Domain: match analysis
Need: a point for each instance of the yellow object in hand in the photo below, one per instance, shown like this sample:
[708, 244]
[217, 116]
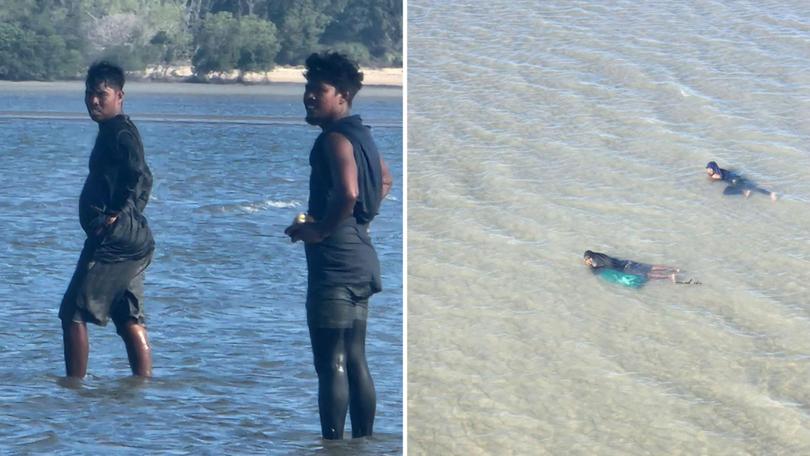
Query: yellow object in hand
[303, 218]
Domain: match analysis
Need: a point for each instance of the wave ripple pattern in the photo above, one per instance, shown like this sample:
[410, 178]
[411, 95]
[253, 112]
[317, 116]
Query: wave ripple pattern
[538, 130]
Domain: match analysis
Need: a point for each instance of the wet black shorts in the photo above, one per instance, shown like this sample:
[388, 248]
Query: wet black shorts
[102, 291]
[637, 268]
[337, 306]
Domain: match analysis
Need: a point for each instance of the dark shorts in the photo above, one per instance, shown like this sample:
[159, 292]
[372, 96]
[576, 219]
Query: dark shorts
[101, 291]
[637, 268]
[337, 306]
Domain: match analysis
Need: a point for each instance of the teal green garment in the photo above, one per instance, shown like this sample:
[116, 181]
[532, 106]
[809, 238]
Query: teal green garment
[622, 278]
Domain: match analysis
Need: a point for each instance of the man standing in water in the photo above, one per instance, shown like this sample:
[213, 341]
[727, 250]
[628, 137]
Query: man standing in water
[108, 281]
[348, 181]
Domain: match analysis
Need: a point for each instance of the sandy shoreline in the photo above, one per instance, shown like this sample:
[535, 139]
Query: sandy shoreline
[383, 82]
[294, 75]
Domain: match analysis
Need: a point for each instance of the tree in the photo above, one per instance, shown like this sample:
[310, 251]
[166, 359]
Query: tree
[225, 43]
[168, 34]
[26, 54]
[301, 25]
[375, 23]
[46, 39]
[258, 46]
[216, 48]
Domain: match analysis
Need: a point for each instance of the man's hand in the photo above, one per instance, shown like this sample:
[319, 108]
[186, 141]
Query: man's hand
[307, 232]
[108, 222]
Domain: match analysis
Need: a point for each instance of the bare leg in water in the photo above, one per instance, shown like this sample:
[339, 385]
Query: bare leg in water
[77, 348]
[671, 273]
[139, 352]
[344, 381]
[659, 271]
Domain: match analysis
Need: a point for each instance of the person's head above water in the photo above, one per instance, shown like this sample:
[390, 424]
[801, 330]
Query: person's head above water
[713, 170]
[597, 260]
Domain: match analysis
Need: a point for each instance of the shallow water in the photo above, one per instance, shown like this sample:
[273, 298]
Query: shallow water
[540, 130]
[224, 295]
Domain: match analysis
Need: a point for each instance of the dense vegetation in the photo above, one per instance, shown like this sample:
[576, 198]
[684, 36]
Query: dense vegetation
[56, 39]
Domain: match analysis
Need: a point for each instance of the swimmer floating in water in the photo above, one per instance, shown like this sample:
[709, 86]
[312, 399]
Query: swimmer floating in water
[737, 185]
[630, 273]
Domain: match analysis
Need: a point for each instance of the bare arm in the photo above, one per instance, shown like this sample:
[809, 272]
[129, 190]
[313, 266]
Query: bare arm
[387, 178]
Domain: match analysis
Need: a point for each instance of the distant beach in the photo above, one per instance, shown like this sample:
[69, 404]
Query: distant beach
[371, 76]
[384, 82]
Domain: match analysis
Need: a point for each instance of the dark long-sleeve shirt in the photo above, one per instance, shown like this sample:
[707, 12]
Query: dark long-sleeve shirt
[119, 183]
[737, 184]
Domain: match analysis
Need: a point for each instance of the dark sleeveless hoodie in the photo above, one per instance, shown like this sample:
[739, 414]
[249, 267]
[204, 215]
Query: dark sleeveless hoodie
[346, 256]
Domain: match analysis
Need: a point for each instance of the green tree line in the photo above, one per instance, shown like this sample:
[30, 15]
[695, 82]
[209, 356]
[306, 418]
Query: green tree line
[56, 39]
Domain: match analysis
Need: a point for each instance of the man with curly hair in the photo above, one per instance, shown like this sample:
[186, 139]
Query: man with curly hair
[348, 181]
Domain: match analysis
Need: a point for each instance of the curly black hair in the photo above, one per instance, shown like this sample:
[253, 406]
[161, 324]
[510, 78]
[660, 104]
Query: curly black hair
[106, 72]
[336, 69]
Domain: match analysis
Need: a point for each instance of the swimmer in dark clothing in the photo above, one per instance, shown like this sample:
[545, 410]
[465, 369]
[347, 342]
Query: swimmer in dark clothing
[599, 262]
[737, 185]
[107, 283]
[348, 181]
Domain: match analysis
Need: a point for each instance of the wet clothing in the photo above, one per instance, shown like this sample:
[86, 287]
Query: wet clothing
[615, 270]
[343, 272]
[737, 184]
[119, 182]
[344, 381]
[625, 266]
[631, 267]
[346, 257]
[741, 186]
[369, 172]
[622, 278]
[337, 307]
[726, 175]
[99, 291]
[600, 260]
[108, 280]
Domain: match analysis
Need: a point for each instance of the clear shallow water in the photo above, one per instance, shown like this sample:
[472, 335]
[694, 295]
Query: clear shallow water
[225, 293]
[540, 130]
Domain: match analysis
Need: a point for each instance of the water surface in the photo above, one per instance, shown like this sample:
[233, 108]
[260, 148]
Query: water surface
[224, 295]
[538, 130]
